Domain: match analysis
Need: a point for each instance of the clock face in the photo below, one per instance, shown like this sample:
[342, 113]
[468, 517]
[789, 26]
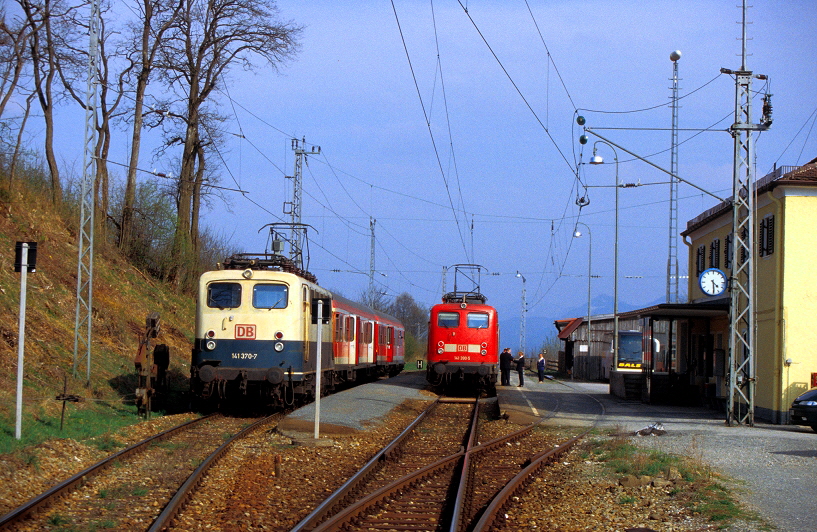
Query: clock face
[712, 282]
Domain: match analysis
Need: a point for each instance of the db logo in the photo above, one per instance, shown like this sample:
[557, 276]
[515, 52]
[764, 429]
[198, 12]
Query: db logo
[245, 332]
[462, 348]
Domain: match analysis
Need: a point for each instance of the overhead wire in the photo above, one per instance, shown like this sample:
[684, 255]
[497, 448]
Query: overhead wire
[430, 132]
[453, 157]
[516, 87]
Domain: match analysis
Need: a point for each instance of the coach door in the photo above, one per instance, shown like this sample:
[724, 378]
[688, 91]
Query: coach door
[306, 320]
[367, 349]
[351, 337]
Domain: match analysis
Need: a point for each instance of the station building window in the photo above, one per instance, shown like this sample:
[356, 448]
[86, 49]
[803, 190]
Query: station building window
[715, 253]
[700, 260]
[766, 236]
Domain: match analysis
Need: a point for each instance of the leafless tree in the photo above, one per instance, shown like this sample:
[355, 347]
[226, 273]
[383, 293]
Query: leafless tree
[45, 19]
[14, 37]
[156, 18]
[72, 67]
[204, 42]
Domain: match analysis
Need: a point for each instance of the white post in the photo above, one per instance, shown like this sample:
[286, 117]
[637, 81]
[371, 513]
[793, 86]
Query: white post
[18, 430]
[318, 371]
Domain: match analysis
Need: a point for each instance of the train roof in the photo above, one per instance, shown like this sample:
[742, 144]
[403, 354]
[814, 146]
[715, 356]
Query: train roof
[465, 297]
[265, 261]
[364, 308]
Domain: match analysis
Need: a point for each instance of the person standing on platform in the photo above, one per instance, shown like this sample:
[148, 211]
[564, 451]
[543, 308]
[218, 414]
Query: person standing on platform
[540, 367]
[505, 359]
[520, 368]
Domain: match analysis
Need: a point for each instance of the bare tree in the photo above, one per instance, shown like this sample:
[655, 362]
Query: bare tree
[205, 41]
[72, 67]
[157, 16]
[45, 19]
[14, 37]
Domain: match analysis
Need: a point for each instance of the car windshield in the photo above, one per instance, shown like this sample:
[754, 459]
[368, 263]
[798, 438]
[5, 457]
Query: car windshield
[224, 295]
[810, 395]
[477, 320]
[269, 296]
[448, 319]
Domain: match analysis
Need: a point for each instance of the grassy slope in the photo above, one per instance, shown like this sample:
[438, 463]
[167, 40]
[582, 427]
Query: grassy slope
[122, 298]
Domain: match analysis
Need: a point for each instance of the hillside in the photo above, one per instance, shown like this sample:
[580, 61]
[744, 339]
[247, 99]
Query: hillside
[122, 298]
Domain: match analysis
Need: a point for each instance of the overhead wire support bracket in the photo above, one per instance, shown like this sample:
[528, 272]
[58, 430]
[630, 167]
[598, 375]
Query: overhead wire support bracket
[693, 185]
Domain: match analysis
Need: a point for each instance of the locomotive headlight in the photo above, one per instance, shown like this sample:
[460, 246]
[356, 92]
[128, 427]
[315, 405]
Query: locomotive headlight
[483, 352]
[210, 334]
[246, 274]
[279, 346]
[210, 345]
[484, 345]
[279, 335]
[440, 343]
[440, 351]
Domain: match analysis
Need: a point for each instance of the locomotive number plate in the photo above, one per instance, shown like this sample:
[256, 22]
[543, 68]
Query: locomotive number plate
[462, 357]
[245, 332]
[245, 356]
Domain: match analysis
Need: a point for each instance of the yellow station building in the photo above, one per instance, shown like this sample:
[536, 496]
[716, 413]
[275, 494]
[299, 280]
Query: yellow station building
[785, 289]
[685, 346]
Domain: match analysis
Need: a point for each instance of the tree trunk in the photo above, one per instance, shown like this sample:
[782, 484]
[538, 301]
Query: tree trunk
[194, 219]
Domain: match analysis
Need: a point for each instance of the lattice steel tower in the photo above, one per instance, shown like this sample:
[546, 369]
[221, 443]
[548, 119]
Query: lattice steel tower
[85, 262]
[672, 257]
[741, 403]
[296, 244]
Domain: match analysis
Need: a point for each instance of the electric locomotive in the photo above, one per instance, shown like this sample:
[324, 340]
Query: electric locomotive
[258, 318]
[463, 337]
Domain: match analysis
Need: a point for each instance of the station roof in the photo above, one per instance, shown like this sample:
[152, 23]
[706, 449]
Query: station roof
[718, 307]
[805, 175]
[566, 327]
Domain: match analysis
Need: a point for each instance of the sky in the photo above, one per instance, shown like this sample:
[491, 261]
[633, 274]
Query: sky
[452, 124]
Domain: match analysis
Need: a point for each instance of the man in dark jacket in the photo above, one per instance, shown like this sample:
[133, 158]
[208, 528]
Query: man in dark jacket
[505, 359]
[520, 368]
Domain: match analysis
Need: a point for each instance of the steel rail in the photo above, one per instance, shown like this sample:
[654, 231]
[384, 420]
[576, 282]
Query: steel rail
[501, 501]
[350, 512]
[46, 498]
[466, 474]
[321, 512]
[187, 489]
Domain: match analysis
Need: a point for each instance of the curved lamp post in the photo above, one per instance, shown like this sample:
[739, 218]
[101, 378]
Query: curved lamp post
[578, 234]
[597, 159]
[524, 312]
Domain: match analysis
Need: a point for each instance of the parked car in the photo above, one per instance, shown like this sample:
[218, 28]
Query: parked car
[804, 409]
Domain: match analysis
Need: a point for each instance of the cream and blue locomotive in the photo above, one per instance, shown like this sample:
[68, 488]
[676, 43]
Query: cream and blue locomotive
[257, 325]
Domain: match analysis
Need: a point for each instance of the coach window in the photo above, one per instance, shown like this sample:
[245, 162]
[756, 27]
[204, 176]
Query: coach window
[350, 329]
[224, 295]
[269, 296]
[448, 319]
[477, 320]
[338, 327]
[367, 332]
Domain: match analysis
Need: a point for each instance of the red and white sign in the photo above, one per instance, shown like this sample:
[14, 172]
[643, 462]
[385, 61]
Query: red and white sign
[245, 332]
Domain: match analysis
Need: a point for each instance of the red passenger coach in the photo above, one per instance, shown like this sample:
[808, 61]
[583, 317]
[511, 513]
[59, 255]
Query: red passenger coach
[365, 343]
[463, 341]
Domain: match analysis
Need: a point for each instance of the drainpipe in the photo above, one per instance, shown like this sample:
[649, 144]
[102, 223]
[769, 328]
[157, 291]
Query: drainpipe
[689, 254]
[779, 319]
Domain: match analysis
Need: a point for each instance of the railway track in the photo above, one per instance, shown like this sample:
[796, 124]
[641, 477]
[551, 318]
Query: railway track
[450, 493]
[138, 486]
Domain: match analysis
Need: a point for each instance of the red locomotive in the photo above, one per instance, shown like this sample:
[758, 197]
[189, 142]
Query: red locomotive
[463, 336]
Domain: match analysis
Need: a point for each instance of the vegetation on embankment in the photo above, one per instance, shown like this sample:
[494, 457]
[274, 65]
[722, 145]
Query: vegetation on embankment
[122, 297]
